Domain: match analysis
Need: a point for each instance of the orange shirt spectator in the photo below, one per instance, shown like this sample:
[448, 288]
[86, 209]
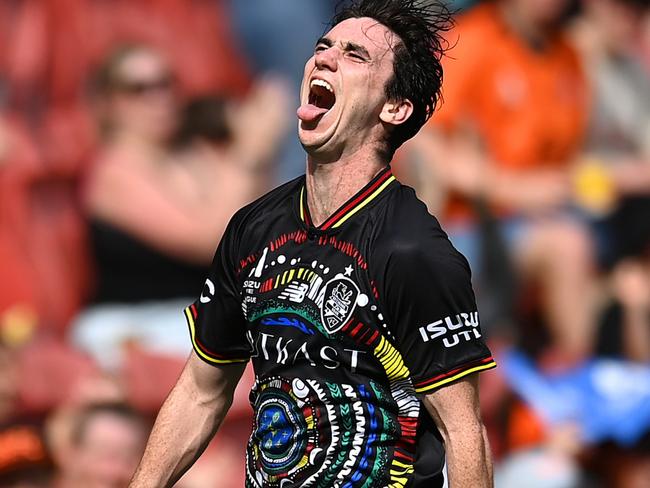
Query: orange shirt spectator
[511, 124]
[527, 106]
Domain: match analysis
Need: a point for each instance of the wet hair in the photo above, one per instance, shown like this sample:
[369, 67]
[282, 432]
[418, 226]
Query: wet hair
[88, 413]
[417, 68]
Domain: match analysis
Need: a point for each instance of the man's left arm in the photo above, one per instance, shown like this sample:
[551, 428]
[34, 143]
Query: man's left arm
[456, 412]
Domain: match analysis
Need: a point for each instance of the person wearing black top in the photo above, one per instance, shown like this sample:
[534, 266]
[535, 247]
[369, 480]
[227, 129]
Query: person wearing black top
[356, 311]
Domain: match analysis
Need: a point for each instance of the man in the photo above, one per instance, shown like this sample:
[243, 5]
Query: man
[356, 310]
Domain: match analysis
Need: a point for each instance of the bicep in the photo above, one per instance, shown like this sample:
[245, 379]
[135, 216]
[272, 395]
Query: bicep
[207, 382]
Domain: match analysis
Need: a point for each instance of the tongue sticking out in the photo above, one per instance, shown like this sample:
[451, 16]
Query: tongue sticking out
[310, 112]
[321, 100]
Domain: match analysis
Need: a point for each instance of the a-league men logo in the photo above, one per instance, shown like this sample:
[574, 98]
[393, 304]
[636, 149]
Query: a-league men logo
[339, 300]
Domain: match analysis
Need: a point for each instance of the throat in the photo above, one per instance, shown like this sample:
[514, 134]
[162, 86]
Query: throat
[330, 186]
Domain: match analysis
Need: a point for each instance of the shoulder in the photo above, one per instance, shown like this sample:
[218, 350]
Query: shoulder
[408, 235]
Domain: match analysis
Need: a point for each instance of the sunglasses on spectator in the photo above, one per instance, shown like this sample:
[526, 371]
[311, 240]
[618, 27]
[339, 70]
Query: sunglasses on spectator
[141, 87]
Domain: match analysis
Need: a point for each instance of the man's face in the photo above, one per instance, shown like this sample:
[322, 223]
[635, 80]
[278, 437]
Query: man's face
[342, 91]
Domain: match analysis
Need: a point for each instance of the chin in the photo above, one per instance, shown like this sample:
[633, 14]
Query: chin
[312, 139]
[318, 148]
[311, 147]
[319, 139]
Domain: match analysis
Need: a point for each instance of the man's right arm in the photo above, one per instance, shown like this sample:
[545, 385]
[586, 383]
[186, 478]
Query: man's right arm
[187, 421]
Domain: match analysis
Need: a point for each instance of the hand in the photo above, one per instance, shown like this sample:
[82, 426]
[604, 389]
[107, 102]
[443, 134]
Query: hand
[546, 190]
[261, 121]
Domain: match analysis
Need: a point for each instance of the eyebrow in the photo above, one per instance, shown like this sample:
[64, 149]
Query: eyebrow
[325, 40]
[347, 46]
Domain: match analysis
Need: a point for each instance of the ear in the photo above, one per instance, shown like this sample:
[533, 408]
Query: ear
[396, 112]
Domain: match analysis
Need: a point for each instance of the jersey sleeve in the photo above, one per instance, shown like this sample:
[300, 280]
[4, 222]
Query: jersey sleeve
[431, 312]
[216, 320]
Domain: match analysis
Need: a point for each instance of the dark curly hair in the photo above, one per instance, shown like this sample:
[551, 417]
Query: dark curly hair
[417, 68]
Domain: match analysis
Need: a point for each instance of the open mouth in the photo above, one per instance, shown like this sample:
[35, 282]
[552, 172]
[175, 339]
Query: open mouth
[321, 99]
[321, 94]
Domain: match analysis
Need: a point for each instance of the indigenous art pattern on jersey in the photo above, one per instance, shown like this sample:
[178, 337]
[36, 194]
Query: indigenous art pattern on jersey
[323, 432]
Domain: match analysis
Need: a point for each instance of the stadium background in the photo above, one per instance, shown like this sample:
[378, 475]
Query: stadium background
[130, 131]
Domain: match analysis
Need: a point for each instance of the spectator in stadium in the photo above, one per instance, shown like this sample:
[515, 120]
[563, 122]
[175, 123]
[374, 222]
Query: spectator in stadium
[616, 171]
[105, 443]
[511, 124]
[156, 212]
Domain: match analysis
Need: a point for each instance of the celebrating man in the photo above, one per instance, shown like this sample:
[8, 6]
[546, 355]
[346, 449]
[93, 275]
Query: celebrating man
[355, 309]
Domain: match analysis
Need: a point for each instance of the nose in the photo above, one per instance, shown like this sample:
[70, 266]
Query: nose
[326, 59]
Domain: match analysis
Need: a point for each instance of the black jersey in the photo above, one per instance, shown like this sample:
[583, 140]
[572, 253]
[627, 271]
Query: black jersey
[345, 323]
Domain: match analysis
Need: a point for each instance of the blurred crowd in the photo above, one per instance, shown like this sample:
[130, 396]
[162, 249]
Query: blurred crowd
[131, 130]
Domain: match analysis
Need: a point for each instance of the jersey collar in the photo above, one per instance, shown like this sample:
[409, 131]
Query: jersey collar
[362, 198]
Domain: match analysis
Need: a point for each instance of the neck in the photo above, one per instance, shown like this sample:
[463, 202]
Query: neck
[533, 33]
[330, 185]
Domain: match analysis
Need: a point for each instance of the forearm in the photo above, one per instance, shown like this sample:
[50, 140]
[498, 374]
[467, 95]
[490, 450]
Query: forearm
[186, 423]
[455, 411]
[469, 463]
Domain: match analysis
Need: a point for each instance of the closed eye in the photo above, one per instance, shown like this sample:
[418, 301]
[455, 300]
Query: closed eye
[357, 56]
[357, 51]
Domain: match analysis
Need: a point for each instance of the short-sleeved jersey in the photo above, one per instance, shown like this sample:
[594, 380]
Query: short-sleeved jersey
[346, 324]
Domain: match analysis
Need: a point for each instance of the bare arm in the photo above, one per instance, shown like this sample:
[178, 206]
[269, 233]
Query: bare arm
[187, 421]
[140, 206]
[455, 410]
[458, 162]
[260, 123]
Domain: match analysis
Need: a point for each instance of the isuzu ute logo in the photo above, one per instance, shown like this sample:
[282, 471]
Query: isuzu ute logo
[339, 300]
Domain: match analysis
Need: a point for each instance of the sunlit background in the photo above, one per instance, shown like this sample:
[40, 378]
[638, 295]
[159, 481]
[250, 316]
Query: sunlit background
[131, 130]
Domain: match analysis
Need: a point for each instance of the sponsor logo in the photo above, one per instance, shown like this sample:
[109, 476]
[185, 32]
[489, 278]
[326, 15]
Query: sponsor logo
[208, 292]
[279, 350]
[295, 292]
[453, 330]
[339, 299]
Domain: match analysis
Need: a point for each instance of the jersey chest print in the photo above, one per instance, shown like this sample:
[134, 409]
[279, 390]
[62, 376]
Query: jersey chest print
[319, 413]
